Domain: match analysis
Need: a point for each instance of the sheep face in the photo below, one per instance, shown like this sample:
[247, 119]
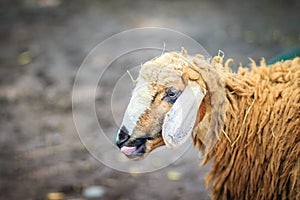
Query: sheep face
[162, 107]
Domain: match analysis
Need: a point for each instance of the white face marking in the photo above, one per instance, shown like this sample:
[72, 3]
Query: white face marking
[139, 103]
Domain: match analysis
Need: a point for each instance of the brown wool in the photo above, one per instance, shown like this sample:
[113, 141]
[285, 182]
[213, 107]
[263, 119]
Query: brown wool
[258, 153]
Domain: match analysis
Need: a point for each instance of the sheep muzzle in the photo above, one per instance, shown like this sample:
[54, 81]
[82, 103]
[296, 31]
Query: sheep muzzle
[137, 148]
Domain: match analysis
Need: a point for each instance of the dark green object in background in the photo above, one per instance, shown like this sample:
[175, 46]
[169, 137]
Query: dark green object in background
[286, 55]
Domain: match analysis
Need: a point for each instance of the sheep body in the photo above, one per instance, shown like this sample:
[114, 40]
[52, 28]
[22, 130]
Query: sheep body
[258, 156]
[248, 122]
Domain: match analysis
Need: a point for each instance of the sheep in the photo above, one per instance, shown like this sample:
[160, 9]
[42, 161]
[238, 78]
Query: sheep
[247, 123]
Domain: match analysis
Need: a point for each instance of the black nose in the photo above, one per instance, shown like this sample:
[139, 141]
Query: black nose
[122, 137]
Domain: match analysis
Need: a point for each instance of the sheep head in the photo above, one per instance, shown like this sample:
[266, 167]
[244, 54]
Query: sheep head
[165, 107]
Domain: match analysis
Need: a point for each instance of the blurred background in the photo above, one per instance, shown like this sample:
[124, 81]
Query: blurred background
[43, 43]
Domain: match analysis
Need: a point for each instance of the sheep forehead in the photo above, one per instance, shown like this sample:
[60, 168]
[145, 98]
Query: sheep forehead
[164, 69]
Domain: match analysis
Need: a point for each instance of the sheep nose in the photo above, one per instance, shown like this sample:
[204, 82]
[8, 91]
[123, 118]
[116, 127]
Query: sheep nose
[122, 137]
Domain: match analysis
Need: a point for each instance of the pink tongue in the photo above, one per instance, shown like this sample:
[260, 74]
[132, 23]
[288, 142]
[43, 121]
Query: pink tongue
[128, 150]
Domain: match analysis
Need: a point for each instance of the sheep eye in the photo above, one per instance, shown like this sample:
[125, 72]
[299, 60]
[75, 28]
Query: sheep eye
[172, 94]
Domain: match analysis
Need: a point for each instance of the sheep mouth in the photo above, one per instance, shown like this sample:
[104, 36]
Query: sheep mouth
[136, 149]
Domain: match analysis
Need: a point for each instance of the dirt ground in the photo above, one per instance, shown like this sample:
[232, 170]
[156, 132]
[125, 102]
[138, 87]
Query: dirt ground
[43, 43]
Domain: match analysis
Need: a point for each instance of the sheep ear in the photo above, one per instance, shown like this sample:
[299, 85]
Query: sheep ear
[179, 121]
